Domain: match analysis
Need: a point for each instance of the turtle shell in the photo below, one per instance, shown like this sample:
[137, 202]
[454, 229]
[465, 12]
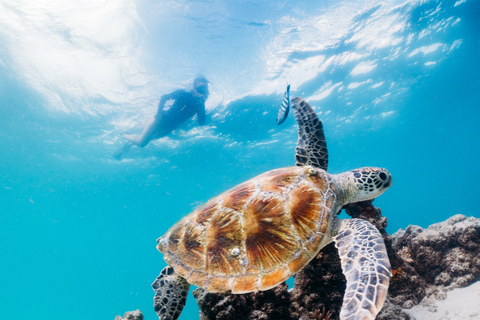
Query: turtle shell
[255, 235]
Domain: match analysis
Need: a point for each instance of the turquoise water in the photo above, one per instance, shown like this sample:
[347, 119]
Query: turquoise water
[396, 84]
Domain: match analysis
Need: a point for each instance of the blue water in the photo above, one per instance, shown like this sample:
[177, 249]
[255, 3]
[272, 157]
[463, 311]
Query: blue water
[396, 83]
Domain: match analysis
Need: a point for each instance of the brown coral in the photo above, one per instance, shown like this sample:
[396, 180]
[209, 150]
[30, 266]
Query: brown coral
[404, 253]
[427, 261]
[322, 315]
[318, 286]
[446, 254]
[131, 315]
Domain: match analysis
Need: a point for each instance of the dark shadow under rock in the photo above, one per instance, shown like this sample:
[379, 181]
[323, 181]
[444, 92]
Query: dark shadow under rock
[318, 285]
[270, 304]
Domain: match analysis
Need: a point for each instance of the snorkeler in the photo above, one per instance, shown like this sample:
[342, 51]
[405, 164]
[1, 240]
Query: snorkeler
[185, 105]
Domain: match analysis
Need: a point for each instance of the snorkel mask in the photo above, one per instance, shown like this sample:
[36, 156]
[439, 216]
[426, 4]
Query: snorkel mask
[201, 85]
[202, 89]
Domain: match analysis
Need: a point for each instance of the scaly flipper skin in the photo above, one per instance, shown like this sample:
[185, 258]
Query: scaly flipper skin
[170, 294]
[311, 147]
[366, 266]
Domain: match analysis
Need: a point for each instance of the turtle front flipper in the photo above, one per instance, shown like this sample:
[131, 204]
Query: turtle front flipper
[311, 146]
[170, 294]
[366, 266]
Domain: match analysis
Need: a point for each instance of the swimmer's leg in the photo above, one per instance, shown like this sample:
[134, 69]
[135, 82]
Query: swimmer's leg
[132, 138]
[148, 133]
[122, 152]
[151, 132]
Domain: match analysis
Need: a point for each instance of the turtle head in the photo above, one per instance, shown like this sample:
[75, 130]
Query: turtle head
[364, 183]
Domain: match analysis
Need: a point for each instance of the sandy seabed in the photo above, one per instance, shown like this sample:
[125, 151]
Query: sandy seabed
[460, 304]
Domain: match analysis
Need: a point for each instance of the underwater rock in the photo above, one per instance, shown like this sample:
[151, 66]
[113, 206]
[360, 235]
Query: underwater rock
[318, 285]
[446, 254]
[265, 305]
[392, 311]
[425, 262]
[131, 315]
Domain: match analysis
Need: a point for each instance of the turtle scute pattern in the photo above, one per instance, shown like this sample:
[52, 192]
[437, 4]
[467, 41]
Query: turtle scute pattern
[256, 235]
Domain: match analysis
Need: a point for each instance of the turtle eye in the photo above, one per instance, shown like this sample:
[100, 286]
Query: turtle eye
[383, 176]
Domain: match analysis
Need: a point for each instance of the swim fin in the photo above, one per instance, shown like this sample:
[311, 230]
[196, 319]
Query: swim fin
[122, 152]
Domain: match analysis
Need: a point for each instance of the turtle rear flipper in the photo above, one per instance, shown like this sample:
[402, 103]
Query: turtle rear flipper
[366, 267]
[170, 294]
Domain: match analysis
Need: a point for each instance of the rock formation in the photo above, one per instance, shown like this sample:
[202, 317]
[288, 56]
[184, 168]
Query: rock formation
[425, 262]
[319, 285]
[131, 315]
[446, 254]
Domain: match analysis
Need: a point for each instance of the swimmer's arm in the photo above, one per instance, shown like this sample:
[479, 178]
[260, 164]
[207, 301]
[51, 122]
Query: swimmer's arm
[201, 115]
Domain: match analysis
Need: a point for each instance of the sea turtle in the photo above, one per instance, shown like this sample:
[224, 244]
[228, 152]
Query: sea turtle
[261, 232]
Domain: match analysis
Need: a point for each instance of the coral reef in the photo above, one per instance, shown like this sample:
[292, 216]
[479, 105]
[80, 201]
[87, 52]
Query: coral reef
[425, 262]
[131, 315]
[319, 285]
[271, 304]
[446, 254]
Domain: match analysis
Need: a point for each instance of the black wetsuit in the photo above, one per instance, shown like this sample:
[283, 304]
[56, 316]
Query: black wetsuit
[185, 106]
